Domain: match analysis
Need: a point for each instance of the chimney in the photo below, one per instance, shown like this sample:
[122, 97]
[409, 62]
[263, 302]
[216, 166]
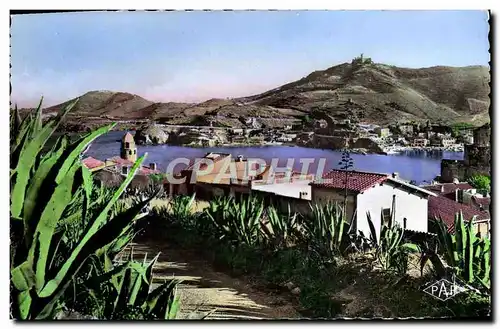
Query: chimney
[239, 158]
[152, 166]
[442, 188]
[395, 175]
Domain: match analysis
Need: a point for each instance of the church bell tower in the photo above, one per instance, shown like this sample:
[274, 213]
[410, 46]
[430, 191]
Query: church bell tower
[128, 149]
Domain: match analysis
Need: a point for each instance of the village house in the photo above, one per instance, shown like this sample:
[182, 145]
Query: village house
[419, 142]
[286, 191]
[382, 132]
[374, 193]
[121, 164]
[446, 209]
[447, 141]
[452, 198]
[218, 174]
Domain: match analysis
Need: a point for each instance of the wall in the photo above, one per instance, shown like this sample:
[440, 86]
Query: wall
[477, 155]
[325, 195]
[483, 228]
[408, 205]
[451, 169]
[482, 135]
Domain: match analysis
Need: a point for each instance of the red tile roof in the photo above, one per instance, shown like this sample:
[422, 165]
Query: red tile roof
[482, 201]
[444, 208]
[123, 162]
[120, 161]
[147, 171]
[92, 163]
[358, 181]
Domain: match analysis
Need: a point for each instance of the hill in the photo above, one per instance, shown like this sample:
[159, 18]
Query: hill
[363, 90]
[380, 93]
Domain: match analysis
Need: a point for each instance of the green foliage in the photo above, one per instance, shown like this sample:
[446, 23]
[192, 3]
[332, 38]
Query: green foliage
[481, 182]
[390, 250]
[157, 178]
[238, 222]
[126, 292]
[180, 208]
[468, 255]
[324, 228]
[60, 221]
[280, 229]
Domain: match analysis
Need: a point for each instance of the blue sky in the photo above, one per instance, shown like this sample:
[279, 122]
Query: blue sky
[194, 56]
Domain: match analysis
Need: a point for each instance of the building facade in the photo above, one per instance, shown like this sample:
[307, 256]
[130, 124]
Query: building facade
[374, 194]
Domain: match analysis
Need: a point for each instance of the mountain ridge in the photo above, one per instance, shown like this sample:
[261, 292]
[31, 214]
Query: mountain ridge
[365, 91]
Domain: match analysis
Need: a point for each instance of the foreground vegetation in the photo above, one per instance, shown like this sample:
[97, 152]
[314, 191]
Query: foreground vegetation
[67, 231]
[329, 270]
[68, 235]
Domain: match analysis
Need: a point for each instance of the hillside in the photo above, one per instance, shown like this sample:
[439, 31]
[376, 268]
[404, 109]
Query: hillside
[369, 92]
[381, 93]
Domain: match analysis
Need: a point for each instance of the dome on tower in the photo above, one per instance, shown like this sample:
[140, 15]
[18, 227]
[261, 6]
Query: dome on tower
[128, 138]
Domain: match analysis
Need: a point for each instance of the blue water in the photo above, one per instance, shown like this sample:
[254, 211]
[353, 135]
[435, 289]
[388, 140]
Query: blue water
[418, 166]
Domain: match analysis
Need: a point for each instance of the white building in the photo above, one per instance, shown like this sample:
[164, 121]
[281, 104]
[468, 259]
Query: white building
[375, 194]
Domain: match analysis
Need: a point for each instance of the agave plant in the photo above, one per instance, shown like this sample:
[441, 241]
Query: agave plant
[467, 255]
[125, 291]
[280, 228]
[324, 228]
[181, 209]
[44, 189]
[390, 250]
[237, 221]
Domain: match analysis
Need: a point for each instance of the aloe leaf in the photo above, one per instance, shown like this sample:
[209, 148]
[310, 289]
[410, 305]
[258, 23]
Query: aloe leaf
[46, 226]
[23, 276]
[27, 158]
[51, 286]
[34, 190]
[80, 146]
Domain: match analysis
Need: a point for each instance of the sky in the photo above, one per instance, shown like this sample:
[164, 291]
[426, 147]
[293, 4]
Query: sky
[195, 56]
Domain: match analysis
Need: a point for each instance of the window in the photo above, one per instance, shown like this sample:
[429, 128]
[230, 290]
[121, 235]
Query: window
[127, 145]
[135, 151]
[386, 216]
[404, 223]
[130, 152]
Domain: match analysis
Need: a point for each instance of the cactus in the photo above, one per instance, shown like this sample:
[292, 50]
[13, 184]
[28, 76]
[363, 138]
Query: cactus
[44, 189]
[325, 227]
[465, 253]
[389, 249]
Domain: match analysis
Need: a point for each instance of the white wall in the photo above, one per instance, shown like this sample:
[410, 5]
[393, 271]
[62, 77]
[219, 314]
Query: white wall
[409, 205]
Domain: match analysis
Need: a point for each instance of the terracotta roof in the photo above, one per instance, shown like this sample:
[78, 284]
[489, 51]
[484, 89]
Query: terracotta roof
[123, 162]
[147, 171]
[446, 209]
[92, 163]
[481, 203]
[447, 188]
[358, 181]
[120, 161]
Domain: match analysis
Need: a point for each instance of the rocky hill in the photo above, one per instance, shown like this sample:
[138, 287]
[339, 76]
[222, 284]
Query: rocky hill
[379, 93]
[362, 90]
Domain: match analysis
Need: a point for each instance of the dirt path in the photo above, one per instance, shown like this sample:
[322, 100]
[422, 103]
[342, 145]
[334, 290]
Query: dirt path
[204, 289]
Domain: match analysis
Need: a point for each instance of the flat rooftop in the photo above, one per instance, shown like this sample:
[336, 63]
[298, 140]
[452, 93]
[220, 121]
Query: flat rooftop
[290, 190]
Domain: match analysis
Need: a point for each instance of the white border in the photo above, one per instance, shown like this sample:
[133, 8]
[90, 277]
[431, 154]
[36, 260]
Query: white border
[189, 4]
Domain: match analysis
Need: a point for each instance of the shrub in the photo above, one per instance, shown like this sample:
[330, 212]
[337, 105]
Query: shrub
[61, 223]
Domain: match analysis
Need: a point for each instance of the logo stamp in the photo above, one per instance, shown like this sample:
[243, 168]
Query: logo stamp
[444, 289]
